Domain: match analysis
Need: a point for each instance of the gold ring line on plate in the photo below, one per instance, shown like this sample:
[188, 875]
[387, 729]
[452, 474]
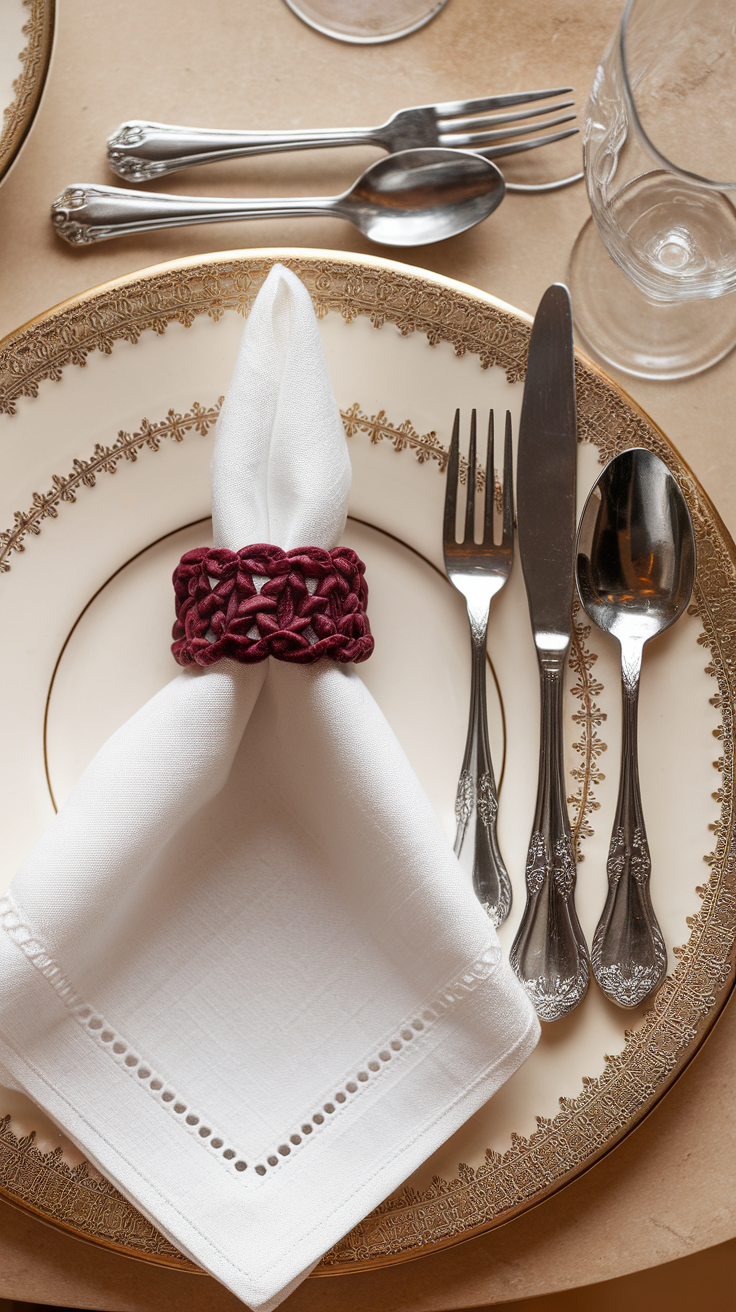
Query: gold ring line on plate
[207, 520]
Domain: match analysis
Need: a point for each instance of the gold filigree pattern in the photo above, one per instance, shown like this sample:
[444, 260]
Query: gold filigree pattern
[687, 1003]
[104, 460]
[186, 289]
[590, 745]
[426, 446]
[28, 86]
[77, 1196]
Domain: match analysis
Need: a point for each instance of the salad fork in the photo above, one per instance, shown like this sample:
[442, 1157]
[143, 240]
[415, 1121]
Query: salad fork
[479, 571]
[140, 151]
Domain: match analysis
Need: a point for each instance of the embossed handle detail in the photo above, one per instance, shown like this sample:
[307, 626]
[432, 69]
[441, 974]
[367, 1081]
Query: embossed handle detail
[629, 956]
[140, 152]
[88, 213]
[476, 806]
[549, 953]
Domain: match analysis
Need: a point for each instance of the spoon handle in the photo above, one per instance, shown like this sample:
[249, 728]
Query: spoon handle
[84, 213]
[549, 953]
[629, 955]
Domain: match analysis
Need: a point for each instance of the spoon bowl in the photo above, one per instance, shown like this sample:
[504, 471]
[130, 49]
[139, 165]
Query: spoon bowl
[636, 548]
[635, 574]
[420, 196]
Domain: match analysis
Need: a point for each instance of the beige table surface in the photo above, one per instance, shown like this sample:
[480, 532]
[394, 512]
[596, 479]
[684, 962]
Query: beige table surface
[668, 1190]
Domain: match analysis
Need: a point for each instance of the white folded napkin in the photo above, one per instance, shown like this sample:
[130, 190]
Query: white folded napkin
[242, 969]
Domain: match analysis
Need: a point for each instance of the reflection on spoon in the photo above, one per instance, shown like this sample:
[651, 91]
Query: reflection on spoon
[635, 573]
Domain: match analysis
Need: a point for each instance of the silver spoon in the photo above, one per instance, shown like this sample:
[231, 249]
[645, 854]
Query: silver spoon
[635, 573]
[407, 199]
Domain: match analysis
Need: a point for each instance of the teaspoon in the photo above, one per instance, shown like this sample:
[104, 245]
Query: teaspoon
[408, 199]
[635, 573]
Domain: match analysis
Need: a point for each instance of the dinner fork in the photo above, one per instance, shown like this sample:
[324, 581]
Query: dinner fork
[479, 571]
[140, 151]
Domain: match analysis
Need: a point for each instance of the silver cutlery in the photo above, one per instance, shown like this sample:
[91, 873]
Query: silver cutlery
[635, 573]
[479, 570]
[140, 151]
[409, 199]
[549, 953]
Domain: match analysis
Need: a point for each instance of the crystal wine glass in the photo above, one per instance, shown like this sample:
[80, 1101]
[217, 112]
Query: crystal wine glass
[366, 22]
[660, 166]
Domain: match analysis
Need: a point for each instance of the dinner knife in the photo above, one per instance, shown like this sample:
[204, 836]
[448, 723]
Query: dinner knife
[549, 953]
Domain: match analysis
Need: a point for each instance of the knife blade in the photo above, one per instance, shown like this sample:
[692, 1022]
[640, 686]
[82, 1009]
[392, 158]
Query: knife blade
[549, 953]
[545, 486]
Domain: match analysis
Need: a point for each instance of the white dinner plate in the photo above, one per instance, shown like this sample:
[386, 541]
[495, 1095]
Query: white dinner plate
[105, 483]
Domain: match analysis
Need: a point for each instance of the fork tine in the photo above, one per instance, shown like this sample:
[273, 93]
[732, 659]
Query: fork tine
[490, 487]
[453, 465]
[508, 488]
[462, 139]
[516, 147]
[469, 534]
[482, 104]
[497, 120]
[470, 499]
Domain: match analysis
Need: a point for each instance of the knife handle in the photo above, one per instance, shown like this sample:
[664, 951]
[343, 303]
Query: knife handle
[549, 954]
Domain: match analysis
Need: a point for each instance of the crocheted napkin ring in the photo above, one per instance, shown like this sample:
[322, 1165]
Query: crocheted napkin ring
[261, 601]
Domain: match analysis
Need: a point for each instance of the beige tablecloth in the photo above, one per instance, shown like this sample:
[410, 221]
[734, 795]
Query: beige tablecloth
[667, 1191]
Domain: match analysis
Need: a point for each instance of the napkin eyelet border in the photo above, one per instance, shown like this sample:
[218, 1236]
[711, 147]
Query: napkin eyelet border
[199, 1126]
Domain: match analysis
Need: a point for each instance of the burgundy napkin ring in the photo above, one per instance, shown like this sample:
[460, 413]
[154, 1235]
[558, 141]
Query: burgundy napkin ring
[261, 601]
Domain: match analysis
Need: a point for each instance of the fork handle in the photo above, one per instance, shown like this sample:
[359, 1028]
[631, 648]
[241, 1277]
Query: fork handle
[476, 805]
[549, 954]
[140, 151]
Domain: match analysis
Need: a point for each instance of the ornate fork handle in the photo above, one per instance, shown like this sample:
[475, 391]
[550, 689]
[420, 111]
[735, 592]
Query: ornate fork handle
[140, 151]
[549, 953]
[629, 956]
[476, 806]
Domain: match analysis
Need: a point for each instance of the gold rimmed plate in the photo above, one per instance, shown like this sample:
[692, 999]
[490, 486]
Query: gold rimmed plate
[105, 483]
[26, 39]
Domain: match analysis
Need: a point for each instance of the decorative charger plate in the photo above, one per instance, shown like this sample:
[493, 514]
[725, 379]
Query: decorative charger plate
[126, 380]
[26, 38]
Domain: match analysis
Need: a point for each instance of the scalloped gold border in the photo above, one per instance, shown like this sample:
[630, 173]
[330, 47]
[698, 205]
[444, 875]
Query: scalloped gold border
[588, 1126]
[18, 116]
